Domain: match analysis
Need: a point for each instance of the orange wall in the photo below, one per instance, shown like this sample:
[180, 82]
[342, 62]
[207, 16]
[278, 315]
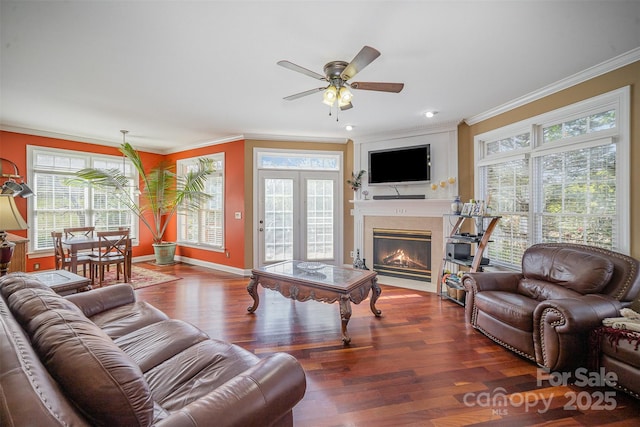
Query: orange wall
[13, 147]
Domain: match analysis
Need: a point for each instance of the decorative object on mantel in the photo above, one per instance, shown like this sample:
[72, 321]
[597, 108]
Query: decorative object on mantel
[442, 183]
[359, 263]
[356, 180]
[456, 206]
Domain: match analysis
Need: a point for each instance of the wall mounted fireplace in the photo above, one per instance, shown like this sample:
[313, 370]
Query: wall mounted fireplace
[402, 253]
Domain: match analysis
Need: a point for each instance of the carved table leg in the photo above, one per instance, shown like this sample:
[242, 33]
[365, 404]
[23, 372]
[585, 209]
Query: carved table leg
[375, 293]
[345, 315]
[252, 288]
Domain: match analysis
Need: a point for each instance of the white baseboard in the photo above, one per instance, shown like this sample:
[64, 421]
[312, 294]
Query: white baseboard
[199, 263]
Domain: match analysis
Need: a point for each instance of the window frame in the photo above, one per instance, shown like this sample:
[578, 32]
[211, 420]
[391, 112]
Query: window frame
[619, 100]
[181, 217]
[90, 212]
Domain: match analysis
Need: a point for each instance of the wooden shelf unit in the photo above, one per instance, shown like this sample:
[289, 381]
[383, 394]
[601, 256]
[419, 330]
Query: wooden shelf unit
[474, 262]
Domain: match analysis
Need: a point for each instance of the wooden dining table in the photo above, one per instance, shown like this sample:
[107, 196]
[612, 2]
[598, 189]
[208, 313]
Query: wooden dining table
[79, 243]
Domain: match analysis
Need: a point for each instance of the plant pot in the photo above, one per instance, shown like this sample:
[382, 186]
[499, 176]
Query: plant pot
[165, 252]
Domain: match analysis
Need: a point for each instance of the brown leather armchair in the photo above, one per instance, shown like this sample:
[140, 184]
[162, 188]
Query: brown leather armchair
[545, 312]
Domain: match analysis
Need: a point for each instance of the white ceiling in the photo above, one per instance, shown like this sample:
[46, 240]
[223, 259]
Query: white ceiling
[180, 74]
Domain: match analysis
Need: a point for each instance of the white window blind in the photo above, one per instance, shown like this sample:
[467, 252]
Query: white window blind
[57, 205]
[507, 186]
[205, 226]
[578, 196]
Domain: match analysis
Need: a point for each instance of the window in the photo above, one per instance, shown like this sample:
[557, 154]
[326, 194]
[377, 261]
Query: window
[204, 227]
[57, 205]
[559, 177]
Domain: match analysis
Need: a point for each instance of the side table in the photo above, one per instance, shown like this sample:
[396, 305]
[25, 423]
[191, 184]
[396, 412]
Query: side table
[63, 282]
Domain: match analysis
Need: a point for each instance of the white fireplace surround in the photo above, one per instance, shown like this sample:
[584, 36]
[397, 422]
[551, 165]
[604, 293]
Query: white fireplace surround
[404, 214]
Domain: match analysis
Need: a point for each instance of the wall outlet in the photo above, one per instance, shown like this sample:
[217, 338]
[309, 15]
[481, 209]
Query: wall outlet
[228, 254]
[351, 254]
[36, 266]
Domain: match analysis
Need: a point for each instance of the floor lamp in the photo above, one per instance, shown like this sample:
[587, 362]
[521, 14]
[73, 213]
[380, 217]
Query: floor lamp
[10, 219]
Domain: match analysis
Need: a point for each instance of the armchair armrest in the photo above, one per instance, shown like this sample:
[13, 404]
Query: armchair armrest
[487, 281]
[260, 396]
[99, 300]
[561, 328]
[492, 281]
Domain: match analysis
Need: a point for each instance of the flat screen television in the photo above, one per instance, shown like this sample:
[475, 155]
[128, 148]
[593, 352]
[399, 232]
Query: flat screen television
[409, 165]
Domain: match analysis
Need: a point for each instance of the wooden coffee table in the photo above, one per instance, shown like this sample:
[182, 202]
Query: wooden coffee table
[304, 281]
[63, 282]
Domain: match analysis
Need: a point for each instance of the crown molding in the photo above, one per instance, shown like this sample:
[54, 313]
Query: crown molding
[295, 138]
[590, 73]
[448, 126]
[75, 138]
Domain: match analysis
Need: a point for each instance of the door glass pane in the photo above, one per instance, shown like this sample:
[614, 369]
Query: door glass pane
[278, 219]
[320, 221]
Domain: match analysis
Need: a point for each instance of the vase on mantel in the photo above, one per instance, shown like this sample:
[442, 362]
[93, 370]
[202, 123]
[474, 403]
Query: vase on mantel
[456, 206]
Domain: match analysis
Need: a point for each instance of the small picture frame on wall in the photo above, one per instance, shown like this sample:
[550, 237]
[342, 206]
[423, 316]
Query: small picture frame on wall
[467, 209]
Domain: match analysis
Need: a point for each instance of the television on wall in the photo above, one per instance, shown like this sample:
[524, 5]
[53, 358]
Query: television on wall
[394, 166]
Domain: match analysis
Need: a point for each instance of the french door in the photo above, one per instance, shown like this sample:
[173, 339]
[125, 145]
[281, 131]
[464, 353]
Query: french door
[298, 216]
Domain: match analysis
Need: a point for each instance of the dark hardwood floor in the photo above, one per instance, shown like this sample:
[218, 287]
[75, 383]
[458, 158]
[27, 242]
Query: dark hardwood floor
[417, 365]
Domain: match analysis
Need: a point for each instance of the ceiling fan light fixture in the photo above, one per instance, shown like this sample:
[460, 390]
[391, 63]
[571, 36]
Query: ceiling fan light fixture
[430, 114]
[330, 95]
[345, 96]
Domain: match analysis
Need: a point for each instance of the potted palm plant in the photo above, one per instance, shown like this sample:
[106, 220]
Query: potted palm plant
[162, 194]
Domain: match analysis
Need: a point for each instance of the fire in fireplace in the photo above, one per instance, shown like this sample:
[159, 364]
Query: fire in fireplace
[402, 253]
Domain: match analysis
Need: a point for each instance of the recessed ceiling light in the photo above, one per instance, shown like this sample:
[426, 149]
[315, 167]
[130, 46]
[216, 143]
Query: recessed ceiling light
[349, 127]
[430, 114]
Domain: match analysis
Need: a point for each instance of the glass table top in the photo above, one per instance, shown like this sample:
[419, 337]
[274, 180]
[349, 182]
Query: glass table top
[316, 272]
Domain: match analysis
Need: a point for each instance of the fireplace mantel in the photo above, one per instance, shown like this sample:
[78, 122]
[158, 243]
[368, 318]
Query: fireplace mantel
[402, 207]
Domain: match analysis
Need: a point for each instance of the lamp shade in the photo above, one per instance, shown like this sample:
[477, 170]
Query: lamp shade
[345, 96]
[10, 218]
[330, 95]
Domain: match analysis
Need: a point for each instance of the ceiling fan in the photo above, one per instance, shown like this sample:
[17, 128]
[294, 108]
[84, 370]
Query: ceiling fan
[337, 74]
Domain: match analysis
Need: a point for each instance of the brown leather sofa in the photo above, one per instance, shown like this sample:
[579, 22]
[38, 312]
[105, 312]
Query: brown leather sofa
[546, 312]
[103, 358]
[618, 351]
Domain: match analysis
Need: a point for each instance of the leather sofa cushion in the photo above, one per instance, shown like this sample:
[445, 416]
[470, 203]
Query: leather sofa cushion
[127, 318]
[104, 383]
[28, 303]
[582, 272]
[158, 342]
[196, 371]
[15, 281]
[510, 308]
[26, 387]
[540, 290]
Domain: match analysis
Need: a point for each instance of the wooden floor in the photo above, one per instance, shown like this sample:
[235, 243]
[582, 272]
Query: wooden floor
[417, 365]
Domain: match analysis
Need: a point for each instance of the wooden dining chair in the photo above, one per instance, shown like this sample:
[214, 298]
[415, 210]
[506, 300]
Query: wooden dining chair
[87, 232]
[63, 260]
[114, 248]
[70, 232]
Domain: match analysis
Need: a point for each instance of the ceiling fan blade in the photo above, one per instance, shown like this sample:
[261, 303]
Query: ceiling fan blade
[365, 57]
[381, 87]
[299, 69]
[305, 93]
[346, 107]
